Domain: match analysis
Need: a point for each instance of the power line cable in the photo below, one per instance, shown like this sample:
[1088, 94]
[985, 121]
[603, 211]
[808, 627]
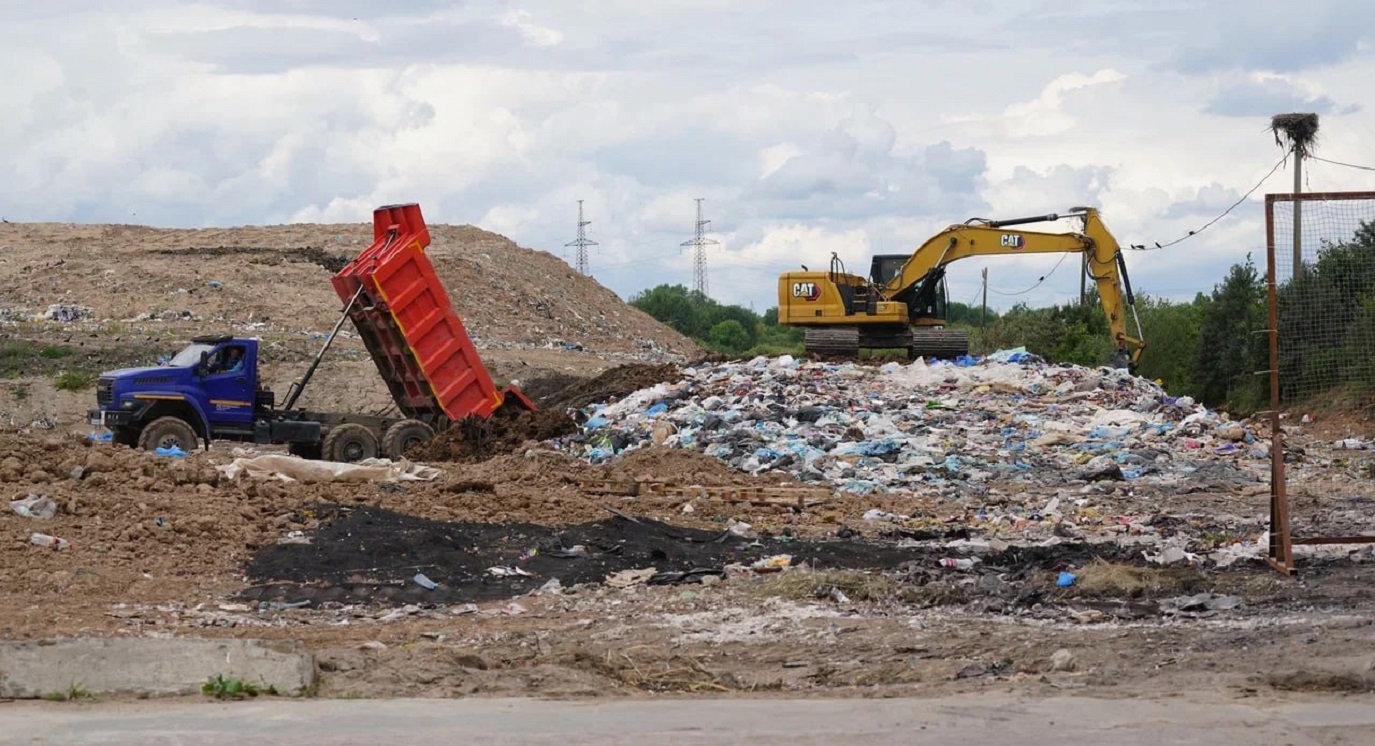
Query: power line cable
[1038, 282]
[1224, 214]
[1339, 163]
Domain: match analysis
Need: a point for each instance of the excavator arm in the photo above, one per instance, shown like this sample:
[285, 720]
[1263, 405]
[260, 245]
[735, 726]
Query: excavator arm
[998, 237]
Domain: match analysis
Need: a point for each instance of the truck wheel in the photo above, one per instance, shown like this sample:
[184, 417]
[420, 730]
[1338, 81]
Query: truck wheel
[350, 443]
[403, 436]
[165, 432]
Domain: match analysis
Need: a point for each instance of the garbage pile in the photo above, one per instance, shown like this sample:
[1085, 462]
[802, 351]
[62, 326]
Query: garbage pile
[902, 427]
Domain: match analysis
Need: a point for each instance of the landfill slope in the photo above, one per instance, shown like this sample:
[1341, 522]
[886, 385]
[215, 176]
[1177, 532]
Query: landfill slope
[277, 278]
[82, 299]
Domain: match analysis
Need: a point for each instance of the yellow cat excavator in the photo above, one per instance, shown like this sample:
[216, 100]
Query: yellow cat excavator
[903, 302]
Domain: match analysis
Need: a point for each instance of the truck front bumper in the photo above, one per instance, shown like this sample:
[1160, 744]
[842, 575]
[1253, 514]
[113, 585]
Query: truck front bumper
[110, 417]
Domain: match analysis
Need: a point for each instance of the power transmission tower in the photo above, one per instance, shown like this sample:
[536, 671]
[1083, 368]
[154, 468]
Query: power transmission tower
[582, 242]
[699, 245]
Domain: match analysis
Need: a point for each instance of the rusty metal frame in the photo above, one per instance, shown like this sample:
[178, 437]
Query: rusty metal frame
[1282, 541]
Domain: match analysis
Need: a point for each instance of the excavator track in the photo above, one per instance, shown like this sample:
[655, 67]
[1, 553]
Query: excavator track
[945, 344]
[846, 341]
[836, 341]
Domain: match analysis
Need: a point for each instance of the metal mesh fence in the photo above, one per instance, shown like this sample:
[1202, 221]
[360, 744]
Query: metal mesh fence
[1321, 303]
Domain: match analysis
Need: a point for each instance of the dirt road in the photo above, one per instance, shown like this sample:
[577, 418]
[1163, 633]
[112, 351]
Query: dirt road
[1064, 721]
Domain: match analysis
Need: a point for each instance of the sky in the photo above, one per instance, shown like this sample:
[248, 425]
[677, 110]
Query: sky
[807, 128]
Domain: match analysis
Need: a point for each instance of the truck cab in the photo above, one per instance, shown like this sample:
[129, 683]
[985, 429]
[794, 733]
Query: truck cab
[208, 390]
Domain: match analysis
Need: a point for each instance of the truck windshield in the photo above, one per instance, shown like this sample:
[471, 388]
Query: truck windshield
[189, 356]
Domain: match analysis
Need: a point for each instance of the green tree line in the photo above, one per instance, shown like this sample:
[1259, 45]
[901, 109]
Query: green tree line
[1213, 347]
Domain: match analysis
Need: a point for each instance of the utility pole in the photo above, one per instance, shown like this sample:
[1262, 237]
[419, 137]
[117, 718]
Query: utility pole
[1298, 212]
[983, 322]
[699, 251]
[1297, 133]
[1083, 278]
[582, 241]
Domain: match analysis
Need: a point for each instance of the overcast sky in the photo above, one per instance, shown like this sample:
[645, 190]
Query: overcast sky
[808, 127]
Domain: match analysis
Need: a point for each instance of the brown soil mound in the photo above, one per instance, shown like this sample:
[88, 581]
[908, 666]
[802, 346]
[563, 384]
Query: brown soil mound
[680, 466]
[614, 384]
[474, 440]
[257, 266]
[548, 388]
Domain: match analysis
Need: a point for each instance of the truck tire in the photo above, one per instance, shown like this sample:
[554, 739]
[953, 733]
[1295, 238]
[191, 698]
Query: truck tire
[403, 436]
[349, 443]
[165, 432]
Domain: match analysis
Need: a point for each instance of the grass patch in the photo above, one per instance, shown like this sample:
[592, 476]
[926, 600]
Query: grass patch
[645, 667]
[800, 585]
[54, 352]
[74, 380]
[233, 687]
[13, 356]
[19, 391]
[1101, 578]
[73, 693]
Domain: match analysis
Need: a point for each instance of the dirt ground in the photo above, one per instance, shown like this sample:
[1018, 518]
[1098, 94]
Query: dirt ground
[659, 572]
[653, 596]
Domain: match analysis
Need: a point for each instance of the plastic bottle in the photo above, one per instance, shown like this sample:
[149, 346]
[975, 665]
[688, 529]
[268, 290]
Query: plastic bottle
[43, 540]
[958, 564]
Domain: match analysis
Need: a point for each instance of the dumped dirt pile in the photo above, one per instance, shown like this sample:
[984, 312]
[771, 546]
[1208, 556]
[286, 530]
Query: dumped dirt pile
[475, 440]
[217, 275]
[140, 527]
[614, 384]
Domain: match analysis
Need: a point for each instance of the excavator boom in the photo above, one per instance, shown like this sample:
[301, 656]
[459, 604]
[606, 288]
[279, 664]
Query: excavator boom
[843, 312]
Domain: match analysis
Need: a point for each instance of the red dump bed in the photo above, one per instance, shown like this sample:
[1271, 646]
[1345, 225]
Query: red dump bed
[410, 328]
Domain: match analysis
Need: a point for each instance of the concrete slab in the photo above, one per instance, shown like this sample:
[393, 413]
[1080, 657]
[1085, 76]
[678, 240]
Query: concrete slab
[149, 666]
[1196, 718]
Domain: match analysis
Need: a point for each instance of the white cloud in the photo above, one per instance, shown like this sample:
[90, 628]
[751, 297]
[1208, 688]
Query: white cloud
[1044, 115]
[535, 35]
[857, 128]
[773, 157]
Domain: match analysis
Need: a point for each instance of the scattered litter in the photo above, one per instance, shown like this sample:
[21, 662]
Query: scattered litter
[503, 572]
[293, 468]
[1066, 579]
[1201, 604]
[627, 578]
[424, 582]
[67, 313]
[35, 506]
[44, 540]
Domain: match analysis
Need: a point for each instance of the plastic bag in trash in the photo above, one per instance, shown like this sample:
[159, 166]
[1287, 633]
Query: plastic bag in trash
[35, 506]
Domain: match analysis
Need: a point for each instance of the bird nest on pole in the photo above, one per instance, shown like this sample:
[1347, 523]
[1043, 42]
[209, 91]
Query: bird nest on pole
[1296, 132]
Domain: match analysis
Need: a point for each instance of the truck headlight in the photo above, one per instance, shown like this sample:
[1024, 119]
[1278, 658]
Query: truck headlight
[127, 404]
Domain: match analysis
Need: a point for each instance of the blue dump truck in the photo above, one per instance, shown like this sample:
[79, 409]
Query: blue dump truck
[212, 389]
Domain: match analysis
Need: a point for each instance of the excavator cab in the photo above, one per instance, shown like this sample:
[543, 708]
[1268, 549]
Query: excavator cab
[931, 301]
[885, 267]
